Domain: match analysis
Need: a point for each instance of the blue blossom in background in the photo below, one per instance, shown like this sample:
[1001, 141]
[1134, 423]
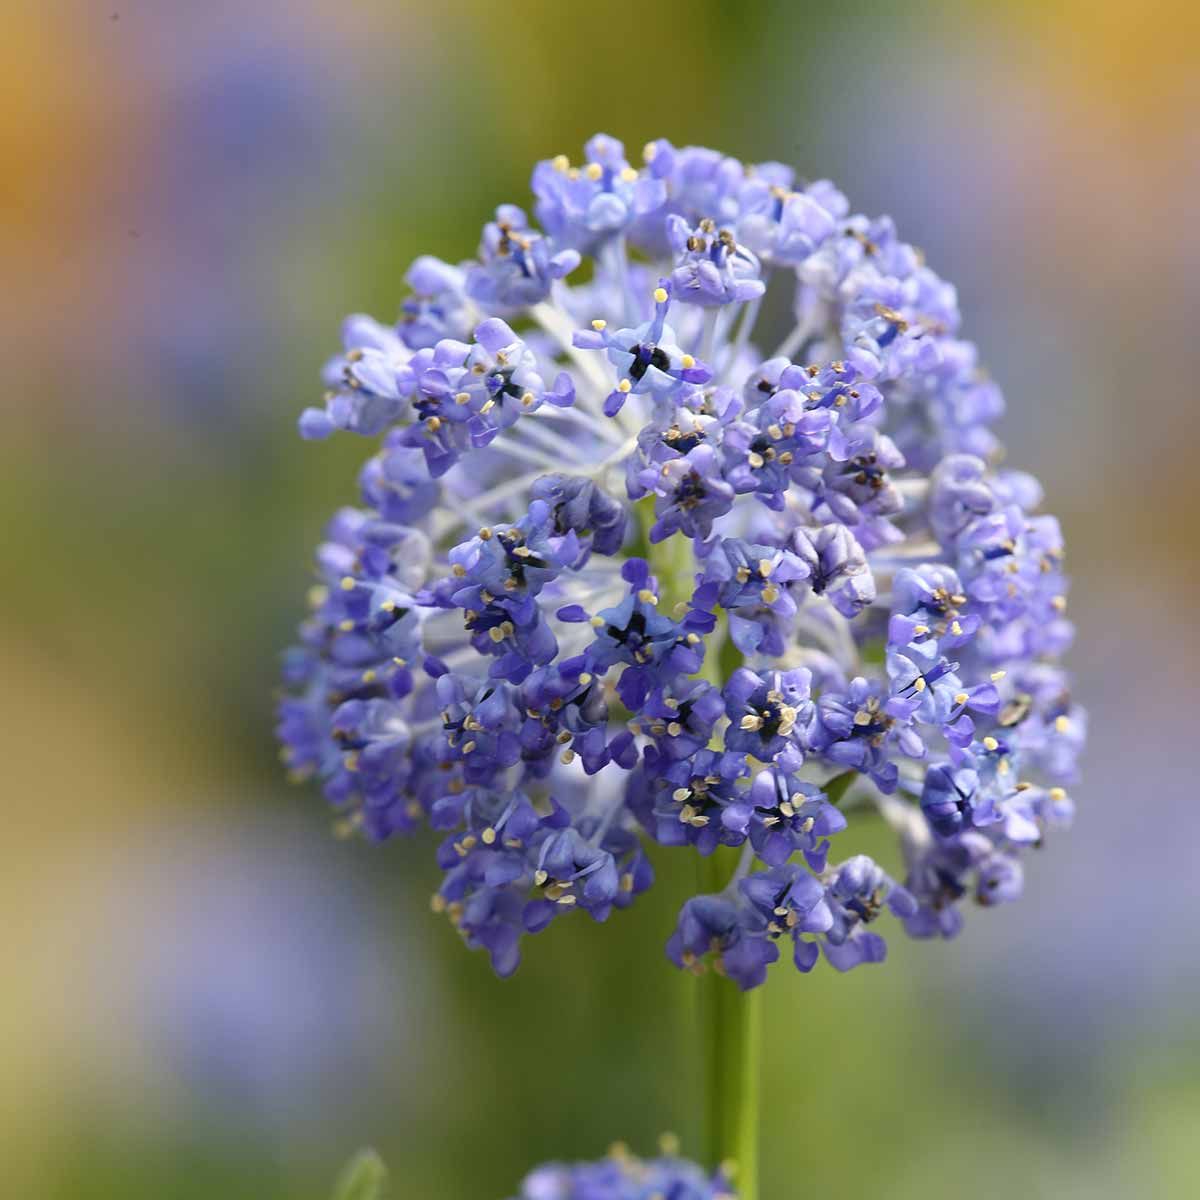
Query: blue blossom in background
[622, 1176]
[244, 141]
[622, 575]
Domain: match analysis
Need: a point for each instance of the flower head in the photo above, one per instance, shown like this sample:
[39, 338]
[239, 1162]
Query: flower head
[620, 575]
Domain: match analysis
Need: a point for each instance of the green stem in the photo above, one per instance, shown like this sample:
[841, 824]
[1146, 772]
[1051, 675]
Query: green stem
[729, 1028]
[727, 1020]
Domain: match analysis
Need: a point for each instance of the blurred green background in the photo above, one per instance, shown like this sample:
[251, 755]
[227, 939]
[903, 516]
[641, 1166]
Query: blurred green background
[206, 995]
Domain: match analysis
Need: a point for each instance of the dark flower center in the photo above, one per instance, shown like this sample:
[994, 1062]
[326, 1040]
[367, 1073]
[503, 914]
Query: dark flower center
[645, 357]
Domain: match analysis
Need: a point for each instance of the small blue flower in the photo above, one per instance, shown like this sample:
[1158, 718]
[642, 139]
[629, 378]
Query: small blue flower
[578, 506]
[837, 567]
[682, 718]
[367, 383]
[583, 206]
[852, 728]
[517, 264]
[396, 484]
[652, 646]
[790, 903]
[790, 815]
[712, 269]
[767, 713]
[754, 584]
[682, 465]
[929, 602]
[730, 936]
[646, 358]
[949, 799]
[480, 724]
[858, 892]
[571, 872]
[438, 307]
[939, 879]
[782, 225]
[693, 801]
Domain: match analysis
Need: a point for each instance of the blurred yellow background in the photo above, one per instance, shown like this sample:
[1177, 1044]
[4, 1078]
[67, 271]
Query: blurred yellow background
[205, 995]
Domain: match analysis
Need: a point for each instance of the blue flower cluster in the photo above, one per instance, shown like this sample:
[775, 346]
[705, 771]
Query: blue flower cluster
[622, 1176]
[619, 578]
